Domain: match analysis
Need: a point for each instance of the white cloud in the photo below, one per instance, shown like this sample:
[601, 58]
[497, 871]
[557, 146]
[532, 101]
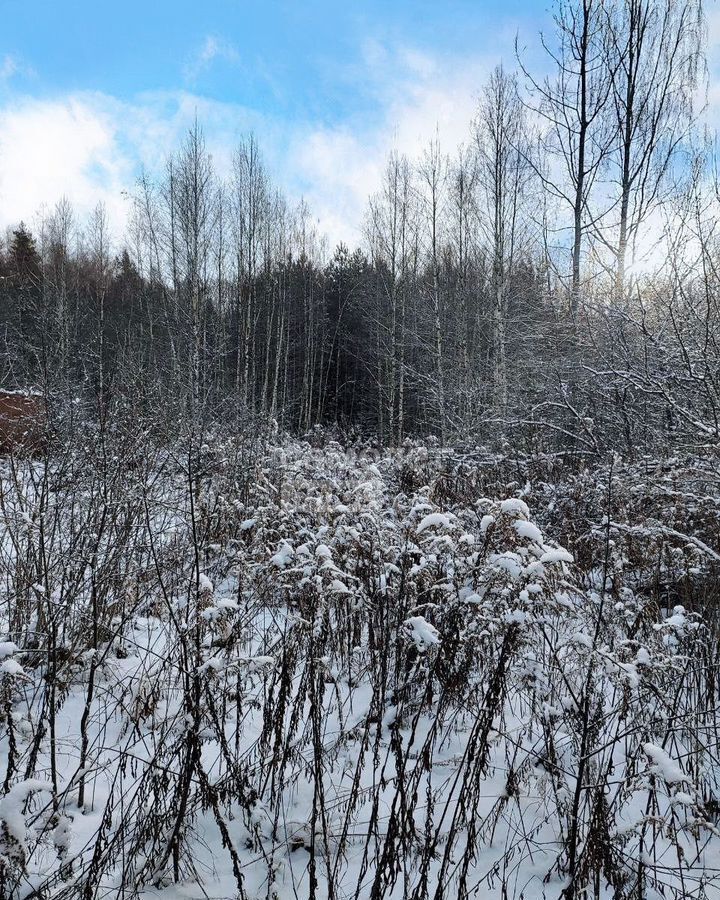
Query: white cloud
[90, 146]
[8, 67]
[211, 49]
[12, 66]
[49, 149]
[416, 95]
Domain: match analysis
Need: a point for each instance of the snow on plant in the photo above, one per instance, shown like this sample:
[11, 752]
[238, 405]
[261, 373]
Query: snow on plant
[306, 669]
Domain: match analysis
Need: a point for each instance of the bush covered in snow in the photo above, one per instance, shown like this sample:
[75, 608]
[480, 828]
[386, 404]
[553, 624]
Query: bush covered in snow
[255, 671]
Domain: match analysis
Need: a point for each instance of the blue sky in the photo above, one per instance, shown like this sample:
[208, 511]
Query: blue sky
[283, 57]
[90, 92]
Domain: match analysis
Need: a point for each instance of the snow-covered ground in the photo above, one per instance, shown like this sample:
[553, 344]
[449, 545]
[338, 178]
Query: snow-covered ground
[319, 672]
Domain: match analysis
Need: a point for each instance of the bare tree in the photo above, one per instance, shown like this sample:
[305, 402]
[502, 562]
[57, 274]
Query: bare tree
[195, 210]
[464, 243]
[505, 171]
[393, 247]
[433, 177]
[99, 247]
[60, 234]
[653, 52]
[251, 211]
[574, 104]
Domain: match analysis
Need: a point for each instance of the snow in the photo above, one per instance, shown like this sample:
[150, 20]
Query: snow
[683, 799]
[348, 654]
[515, 617]
[205, 586]
[284, 555]
[11, 667]
[528, 530]
[556, 556]
[664, 765]
[515, 506]
[29, 392]
[7, 648]
[422, 632]
[486, 522]
[13, 803]
[433, 520]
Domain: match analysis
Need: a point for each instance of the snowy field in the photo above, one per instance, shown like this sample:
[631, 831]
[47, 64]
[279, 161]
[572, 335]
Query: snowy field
[314, 672]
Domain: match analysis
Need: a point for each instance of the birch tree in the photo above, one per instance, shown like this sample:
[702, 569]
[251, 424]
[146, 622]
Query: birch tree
[393, 246]
[194, 209]
[653, 50]
[574, 104]
[251, 207]
[505, 171]
[433, 178]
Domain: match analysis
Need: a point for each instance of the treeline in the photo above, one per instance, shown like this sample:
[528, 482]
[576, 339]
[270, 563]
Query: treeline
[267, 325]
[555, 278]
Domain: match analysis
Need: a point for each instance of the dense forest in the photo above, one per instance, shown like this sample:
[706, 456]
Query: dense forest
[553, 279]
[387, 572]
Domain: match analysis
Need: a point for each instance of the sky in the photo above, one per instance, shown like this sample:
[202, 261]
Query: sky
[92, 92]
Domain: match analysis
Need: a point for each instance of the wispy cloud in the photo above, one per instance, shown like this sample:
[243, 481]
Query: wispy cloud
[8, 67]
[212, 48]
[415, 95]
[11, 66]
[90, 146]
[50, 149]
